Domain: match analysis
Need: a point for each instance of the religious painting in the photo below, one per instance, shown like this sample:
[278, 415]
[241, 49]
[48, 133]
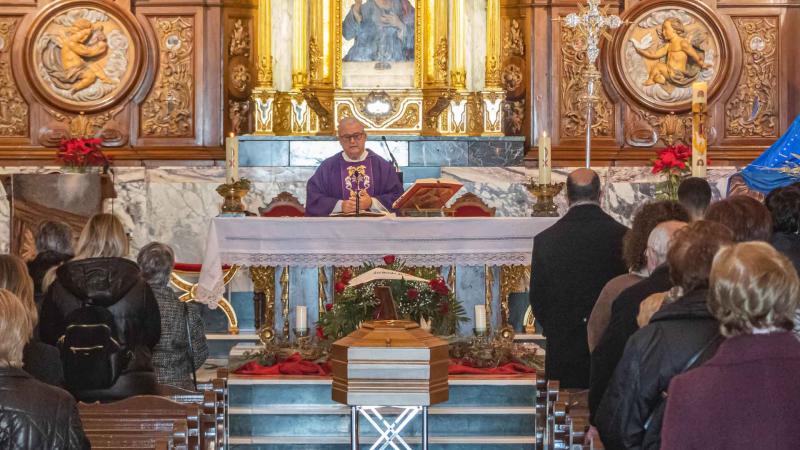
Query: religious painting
[378, 43]
[663, 49]
[83, 55]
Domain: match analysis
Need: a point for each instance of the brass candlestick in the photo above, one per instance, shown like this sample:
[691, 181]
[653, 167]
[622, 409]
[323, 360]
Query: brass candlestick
[544, 193]
[233, 195]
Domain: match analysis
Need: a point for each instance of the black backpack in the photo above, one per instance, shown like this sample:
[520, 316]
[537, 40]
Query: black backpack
[90, 351]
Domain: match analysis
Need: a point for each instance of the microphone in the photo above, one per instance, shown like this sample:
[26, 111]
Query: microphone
[394, 161]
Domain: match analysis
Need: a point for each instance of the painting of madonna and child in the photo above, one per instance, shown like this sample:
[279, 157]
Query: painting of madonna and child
[378, 43]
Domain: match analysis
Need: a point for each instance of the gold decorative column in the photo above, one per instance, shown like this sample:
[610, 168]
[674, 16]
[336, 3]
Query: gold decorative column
[293, 114]
[264, 93]
[493, 94]
[436, 93]
[264, 301]
[321, 78]
[459, 111]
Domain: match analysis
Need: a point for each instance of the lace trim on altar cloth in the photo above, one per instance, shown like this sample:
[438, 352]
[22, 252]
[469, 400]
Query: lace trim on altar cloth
[314, 260]
[210, 297]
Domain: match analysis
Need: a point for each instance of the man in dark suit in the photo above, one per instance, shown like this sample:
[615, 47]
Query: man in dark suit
[572, 261]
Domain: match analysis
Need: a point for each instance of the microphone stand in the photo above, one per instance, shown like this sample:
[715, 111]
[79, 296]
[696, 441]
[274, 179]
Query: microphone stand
[358, 194]
[394, 160]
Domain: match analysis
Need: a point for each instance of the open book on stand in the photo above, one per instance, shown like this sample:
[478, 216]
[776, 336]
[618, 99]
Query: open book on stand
[426, 197]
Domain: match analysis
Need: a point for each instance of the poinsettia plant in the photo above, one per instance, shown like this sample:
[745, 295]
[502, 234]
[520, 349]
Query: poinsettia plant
[674, 162]
[431, 300]
[79, 153]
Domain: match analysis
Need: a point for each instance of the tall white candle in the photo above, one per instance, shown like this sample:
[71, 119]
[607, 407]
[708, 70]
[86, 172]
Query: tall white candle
[301, 318]
[480, 317]
[231, 159]
[545, 160]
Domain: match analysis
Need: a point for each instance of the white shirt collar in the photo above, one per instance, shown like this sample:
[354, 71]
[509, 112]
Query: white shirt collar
[359, 159]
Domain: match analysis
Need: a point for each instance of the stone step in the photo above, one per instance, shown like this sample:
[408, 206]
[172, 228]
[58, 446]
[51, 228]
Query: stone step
[343, 443]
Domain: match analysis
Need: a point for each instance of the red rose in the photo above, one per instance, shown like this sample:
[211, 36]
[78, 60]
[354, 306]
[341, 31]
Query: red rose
[339, 287]
[668, 158]
[328, 306]
[320, 333]
[347, 276]
[412, 293]
[438, 286]
[389, 259]
[444, 308]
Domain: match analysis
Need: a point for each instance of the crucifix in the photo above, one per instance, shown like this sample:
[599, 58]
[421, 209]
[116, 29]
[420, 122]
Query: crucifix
[591, 23]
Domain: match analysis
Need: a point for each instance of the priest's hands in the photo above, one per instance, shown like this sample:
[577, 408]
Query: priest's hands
[349, 206]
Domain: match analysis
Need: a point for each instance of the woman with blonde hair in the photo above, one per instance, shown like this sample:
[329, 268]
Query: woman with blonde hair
[39, 359]
[115, 312]
[746, 396]
[34, 415]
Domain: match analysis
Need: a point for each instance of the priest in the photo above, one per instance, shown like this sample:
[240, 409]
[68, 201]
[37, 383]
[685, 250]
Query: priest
[356, 172]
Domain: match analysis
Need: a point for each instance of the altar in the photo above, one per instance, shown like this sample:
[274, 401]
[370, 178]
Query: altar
[292, 259]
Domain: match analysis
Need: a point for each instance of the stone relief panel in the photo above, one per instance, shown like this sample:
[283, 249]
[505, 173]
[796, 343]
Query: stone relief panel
[13, 109]
[83, 57]
[753, 109]
[168, 110]
[572, 88]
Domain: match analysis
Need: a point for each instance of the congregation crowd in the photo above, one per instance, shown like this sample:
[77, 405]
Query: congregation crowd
[681, 327]
[87, 324]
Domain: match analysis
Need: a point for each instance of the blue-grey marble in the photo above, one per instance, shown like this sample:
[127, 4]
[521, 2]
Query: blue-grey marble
[438, 153]
[260, 153]
[498, 153]
[312, 153]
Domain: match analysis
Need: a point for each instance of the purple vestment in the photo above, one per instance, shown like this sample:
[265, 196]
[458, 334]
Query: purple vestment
[327, 186]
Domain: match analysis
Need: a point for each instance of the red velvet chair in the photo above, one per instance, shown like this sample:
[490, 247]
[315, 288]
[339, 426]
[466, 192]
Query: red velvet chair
[283, 205]
[470, 205]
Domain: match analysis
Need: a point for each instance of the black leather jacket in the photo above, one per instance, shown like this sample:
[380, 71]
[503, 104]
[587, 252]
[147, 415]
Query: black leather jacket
[116, 284]
[34, 415]
[653, 355]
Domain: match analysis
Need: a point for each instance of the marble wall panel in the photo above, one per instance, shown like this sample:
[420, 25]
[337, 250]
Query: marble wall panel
[496, 153]
[438, 153]
[312, 153]
[263, 154]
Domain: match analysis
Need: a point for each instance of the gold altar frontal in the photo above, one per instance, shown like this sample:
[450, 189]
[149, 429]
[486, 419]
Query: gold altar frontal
[434, 101]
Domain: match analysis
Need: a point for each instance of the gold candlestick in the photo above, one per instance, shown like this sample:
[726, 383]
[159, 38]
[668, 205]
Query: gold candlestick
[233, 195]
[544, 193]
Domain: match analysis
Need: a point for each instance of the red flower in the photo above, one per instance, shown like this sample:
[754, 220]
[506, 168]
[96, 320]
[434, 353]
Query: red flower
[412, 294]
[320, 333]
[438, 286]
[328, 306]
[339, 287]
[444, 308]
[389, 259]
[347, 275]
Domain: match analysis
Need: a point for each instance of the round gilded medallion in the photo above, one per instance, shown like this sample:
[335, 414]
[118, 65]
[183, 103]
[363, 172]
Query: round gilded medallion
[664, 48]
[84, 55]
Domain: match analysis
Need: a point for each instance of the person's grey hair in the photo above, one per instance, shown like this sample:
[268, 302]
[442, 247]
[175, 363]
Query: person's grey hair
[54, 236]
[156, 261]
[661, 238]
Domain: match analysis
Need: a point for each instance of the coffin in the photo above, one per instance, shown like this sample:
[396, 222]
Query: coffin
[390, 363]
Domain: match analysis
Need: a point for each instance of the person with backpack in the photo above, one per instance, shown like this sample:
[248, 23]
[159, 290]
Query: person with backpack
[103, 317]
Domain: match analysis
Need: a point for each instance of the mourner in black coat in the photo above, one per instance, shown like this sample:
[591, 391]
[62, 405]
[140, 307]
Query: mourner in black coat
[572, 261]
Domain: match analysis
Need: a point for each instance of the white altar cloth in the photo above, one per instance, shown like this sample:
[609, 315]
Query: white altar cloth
[346, 241]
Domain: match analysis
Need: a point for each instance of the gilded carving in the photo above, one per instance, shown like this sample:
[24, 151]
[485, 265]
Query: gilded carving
[573, 114]
[13, 109]
[378, 106]
[83, 125]
[441, 57]
[513, 117]
[512, 77]
[239, 115]
[314, 58]
[752, 111]
[240, 78]
[409, 119]
[168, 109]
[492, 71]
[265, 72]
[240, 40]
[513, 43]
[83, 57]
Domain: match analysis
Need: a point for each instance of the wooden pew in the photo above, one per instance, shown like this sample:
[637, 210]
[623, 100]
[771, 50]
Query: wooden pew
[140, 420]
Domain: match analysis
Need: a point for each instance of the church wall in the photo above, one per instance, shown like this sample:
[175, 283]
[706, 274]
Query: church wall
[762, 55]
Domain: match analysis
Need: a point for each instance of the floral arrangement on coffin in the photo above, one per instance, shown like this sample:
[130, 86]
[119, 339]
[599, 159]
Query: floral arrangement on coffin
[674, 162]
[80, 153]
[431, 300]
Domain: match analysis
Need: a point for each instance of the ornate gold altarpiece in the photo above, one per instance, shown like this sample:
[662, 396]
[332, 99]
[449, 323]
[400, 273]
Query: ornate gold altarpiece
[438, 102]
